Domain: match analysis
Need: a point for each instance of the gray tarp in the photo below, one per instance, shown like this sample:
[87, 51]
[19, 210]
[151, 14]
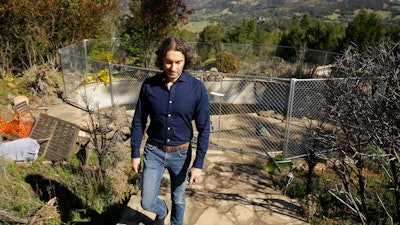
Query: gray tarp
[24, 149]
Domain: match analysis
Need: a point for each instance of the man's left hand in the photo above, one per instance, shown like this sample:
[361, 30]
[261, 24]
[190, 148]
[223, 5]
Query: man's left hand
[194, 175]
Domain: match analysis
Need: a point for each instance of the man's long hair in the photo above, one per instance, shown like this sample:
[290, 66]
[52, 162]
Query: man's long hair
[177, 44]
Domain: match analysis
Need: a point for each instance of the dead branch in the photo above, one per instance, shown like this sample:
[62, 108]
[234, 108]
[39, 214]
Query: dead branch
[9, 217]
[46, 212]
[383, 205]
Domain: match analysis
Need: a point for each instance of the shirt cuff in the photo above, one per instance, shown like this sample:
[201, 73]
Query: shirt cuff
[135, 154]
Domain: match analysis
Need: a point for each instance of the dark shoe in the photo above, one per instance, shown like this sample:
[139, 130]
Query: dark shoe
[159, 220]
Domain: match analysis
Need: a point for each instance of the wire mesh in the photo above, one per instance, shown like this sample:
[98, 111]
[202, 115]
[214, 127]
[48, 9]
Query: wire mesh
[253, 114]
[305, 106]
[247, 113]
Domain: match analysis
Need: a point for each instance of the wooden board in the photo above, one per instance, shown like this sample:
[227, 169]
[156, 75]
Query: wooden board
[57, 137]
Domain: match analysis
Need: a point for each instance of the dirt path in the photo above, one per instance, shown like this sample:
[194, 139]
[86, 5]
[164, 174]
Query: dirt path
[235, 190]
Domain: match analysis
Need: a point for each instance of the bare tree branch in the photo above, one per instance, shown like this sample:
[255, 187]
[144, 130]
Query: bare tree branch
[8, 217]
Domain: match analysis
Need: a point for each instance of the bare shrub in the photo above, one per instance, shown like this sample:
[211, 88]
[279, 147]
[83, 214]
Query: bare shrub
[276, 67]
[363, 102]
[45, 81]
[108, 130]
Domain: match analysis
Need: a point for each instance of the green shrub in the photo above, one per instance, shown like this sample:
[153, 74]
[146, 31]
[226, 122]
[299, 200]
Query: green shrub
[227, 62]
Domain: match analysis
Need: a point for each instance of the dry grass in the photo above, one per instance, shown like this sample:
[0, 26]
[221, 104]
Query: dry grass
[41, 84]
[18, 198]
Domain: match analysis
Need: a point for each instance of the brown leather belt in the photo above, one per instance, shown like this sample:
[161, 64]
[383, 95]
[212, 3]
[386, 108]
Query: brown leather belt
[169, 148]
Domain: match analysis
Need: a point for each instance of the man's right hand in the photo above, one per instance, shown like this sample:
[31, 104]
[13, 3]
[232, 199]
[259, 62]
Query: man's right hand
[136, 165]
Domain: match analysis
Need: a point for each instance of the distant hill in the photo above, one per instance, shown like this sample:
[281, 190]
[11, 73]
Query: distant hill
[277, 12]
[231, 12]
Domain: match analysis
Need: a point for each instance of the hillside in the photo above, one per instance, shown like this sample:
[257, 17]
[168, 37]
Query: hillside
[276, 12]
[231, 12]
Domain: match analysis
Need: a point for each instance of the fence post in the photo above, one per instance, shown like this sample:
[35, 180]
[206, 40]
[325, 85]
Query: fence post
[111, 85]
[219, 95]
[60, 55]
[86, 58]
[302, 60]
[288, 117]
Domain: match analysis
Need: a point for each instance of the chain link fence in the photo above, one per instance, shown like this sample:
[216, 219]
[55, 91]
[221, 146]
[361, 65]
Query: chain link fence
[252, 114]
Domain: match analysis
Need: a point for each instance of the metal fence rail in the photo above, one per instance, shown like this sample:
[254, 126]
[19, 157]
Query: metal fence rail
[256, 115]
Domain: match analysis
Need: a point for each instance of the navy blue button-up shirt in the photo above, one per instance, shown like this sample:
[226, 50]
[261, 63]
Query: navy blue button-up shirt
[171, 114]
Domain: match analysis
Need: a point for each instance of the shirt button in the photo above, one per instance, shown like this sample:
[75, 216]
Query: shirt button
[169, 128]
[170, 102]
[167, 140]
[169, 115]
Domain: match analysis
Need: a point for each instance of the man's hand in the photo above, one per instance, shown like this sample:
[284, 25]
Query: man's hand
[136, 165]
[194, 175]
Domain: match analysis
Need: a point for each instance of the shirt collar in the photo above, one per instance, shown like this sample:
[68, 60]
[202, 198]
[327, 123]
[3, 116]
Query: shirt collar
[183, 77]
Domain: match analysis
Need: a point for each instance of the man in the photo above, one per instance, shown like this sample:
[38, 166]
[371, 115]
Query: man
[171, 99]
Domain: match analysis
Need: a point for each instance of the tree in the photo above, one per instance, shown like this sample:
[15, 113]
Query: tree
[244, 34]
[213, 34]
[150, 22]
[314, 34]
[365, 30]
[296, 35]
[325, 36]
[32, 31]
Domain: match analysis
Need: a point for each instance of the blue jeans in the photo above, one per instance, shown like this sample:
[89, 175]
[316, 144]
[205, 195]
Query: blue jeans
[155, 162]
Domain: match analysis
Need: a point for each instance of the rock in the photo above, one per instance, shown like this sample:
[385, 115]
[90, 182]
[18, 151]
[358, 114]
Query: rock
[214, 69]
[268, 113]
[263, 131]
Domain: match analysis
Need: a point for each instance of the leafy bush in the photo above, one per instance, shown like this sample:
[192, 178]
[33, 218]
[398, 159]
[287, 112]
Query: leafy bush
[227, 62]
[103, 55]
[34, 30]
